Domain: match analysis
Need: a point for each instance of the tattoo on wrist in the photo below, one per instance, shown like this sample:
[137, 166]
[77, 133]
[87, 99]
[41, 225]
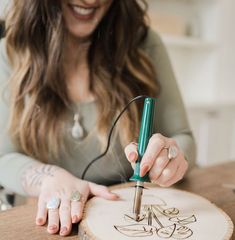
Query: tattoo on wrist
[33, 176]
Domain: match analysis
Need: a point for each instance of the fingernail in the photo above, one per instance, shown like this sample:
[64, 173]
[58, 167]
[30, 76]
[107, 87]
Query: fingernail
[132, 156]
[74, 219]
[39, 220]
[116, 196]
[144, 170]
[63, 230]
[52, 227]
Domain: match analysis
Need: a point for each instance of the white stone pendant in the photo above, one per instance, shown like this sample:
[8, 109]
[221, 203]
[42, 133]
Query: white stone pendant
[77, 130]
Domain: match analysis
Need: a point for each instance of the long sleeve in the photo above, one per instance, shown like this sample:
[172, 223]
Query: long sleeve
[12, 163]
[171, 119]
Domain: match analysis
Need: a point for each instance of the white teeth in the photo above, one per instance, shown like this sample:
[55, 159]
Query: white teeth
[83, 11]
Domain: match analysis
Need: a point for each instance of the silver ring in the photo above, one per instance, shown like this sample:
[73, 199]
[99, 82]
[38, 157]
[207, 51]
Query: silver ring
[172, 152]
[76, 196]
[53, 203]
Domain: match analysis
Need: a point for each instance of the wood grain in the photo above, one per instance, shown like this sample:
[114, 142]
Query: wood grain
[18, 223]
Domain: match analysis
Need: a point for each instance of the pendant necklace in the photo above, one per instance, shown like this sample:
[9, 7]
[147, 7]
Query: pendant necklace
[77, 130]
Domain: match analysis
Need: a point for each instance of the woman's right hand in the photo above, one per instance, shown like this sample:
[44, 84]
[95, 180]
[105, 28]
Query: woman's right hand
[61, 184]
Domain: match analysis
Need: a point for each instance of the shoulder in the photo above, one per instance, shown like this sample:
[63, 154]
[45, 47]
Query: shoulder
[155, 49]
[152, 40]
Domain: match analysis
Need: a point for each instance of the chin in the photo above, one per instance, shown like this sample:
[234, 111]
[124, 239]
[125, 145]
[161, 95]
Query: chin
[81, 33]
[81, 19]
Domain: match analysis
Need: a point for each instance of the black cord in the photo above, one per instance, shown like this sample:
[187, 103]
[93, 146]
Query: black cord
[110, 135]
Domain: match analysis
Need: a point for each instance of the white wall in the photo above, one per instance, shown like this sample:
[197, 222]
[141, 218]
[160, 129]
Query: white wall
[3, 4]
[226, 67]
[204, 65]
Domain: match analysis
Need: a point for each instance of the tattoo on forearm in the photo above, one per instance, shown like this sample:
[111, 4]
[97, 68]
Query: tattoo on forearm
[33, 176]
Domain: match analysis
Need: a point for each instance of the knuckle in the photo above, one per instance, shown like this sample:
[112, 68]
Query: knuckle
[157, 139]
[167, 174]
[172, 142]
[161, 143]
[64, 208]
[158, 136]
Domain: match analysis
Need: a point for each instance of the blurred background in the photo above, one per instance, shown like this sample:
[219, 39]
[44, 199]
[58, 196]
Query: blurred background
[201, 43]
[200, 40]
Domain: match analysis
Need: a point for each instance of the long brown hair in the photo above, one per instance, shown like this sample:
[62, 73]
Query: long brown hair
[119, 71]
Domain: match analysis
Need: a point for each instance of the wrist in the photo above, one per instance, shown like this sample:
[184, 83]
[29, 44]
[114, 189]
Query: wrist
[35, 175]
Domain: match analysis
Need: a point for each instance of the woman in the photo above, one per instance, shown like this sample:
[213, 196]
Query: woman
[71, 66]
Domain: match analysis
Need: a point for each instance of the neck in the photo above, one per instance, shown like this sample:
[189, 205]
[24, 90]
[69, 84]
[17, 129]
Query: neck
[77, 70]
[76, 51]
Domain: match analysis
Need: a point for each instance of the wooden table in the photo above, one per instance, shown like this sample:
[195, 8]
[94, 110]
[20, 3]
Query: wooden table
[18, 223]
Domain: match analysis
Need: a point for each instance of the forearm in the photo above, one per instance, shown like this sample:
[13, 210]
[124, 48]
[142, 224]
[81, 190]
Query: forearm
[22, 174]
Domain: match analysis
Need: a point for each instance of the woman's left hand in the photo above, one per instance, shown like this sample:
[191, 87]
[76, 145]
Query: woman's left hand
[162, 170]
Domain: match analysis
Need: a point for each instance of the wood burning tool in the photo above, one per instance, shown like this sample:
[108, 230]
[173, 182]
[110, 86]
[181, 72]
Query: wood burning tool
[146, 131]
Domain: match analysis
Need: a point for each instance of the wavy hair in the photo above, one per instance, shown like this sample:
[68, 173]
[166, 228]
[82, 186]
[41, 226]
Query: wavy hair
[119, 70]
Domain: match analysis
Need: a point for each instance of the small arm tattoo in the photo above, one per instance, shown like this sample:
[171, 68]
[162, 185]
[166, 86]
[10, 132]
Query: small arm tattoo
[33, 176]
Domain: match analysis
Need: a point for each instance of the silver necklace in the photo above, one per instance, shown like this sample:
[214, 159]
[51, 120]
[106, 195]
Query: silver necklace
[77, 130]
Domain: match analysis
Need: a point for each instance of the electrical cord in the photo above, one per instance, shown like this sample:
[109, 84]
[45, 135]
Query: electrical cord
[110, 134]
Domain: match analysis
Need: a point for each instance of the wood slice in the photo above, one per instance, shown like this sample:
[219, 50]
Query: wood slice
[166, 213]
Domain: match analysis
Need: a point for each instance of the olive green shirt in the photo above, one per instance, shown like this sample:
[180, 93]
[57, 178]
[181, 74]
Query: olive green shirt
[170, 120]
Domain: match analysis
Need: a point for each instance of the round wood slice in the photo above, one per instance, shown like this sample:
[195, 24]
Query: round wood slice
[166, 213]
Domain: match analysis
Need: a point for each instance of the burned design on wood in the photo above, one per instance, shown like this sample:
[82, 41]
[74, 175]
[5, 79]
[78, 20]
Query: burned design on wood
[175, 225]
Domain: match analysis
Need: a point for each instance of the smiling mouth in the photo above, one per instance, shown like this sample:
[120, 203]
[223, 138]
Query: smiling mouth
[82, 13]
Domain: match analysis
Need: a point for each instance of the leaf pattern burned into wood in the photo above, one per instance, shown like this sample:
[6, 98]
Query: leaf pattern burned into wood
[175, 226]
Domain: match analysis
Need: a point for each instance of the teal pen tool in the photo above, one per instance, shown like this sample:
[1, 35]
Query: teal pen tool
[146, 131]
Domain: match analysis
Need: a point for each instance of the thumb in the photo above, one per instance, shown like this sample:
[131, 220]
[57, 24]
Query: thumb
[102, 191]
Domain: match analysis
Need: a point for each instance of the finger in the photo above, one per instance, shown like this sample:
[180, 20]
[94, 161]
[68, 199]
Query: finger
[178, 175]
[158, 166]
[131, 152]
[79, 210]
[65, 217]
[53, 221]
[168, 173]
[41, 216]
[102, 191]
[76, 211]
[156, 143]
